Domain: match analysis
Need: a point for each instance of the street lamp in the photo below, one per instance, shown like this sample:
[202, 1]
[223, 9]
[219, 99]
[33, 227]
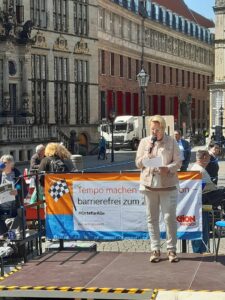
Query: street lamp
[143, 79]
[112, 116]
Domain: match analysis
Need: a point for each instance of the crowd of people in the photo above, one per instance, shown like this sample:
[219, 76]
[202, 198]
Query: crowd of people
[158, 184]
[51, 158]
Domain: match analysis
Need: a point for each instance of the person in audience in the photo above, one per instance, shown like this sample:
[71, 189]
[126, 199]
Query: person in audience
[37, 158]
[211, 194]
[10, 212]
[57, 160]
[159, 185]
[185, 150]
[213, 167]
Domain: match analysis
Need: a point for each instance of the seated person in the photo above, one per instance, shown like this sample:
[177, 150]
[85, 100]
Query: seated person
[37, 158]
[10, 213]
[213, 167]
[211, 194]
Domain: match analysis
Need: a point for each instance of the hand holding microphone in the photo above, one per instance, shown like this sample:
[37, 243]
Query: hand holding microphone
[153, 140]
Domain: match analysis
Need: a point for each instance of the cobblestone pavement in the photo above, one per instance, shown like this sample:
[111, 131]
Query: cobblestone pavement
[143, 245]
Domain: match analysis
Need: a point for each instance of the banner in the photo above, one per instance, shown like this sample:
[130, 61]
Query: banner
[102, 206]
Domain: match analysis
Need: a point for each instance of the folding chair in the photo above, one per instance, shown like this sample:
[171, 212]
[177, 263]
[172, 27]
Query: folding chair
[219, 227]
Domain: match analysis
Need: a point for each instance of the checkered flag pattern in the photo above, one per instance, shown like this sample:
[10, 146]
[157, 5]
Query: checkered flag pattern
[58, 189]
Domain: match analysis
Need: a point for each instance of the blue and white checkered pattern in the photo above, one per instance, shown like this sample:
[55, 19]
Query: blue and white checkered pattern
[58, 189]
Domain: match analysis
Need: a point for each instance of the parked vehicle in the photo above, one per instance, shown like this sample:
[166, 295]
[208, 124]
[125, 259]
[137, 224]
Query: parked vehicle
[128, 130]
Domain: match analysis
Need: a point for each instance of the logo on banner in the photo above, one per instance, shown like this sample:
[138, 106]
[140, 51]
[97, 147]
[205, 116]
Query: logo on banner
[58, 189]
[186, 220]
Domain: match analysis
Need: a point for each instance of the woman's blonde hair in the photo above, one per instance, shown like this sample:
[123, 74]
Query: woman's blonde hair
[159, 119]
[56, 149]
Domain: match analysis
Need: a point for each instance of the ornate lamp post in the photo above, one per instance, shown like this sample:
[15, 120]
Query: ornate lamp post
[143, 79]
[112, 117]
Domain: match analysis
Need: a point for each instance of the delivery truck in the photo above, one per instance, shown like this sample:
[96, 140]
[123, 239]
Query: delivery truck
[128, 130]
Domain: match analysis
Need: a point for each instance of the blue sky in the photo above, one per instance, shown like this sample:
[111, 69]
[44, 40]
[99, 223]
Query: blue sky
[204, 7]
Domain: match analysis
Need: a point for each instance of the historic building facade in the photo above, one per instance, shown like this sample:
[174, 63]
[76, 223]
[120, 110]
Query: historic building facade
[48, 74]
[175, 47]
[217, 88]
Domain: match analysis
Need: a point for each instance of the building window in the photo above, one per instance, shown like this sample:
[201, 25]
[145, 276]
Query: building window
[61, 77]
[137, 66]
[164, 74]
[38, 13]
[102, 61]
[129, 68]
[39, 88]
[112, 64]
[180, 24]
[157, 73]
[81, 17]
[160, 16]
[196, 31]
[191, 29]
[81, 91]
[177, 77]
[111, 20]
[60, 15]
[121, 65]
[167, 18]
[101, 19]
[183, 79]
[199, 109]
[193, 77]
[1, 80]
[174, 22]
[188, 79]
[199, 81]
[150, 71]
[171, 75]
[186, 26]
[203, 82]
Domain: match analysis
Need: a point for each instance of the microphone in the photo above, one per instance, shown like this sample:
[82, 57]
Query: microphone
[153, 140]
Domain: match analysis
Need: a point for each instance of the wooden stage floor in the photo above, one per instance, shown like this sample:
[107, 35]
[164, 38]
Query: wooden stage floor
[117, 270]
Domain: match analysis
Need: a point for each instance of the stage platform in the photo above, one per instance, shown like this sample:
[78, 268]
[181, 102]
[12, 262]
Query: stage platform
[100, 275]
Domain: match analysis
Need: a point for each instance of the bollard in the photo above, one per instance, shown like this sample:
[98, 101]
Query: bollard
[77, 160]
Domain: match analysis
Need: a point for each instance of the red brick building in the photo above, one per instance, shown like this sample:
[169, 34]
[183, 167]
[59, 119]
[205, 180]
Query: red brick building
[173, 44]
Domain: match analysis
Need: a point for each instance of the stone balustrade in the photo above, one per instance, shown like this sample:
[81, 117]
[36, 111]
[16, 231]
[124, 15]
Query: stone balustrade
[15, 133]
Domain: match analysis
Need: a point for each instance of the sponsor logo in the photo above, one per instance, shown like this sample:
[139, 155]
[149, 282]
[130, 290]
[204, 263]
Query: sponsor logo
[186, 220]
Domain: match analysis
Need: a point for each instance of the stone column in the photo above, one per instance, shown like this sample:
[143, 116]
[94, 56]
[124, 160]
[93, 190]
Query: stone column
[6, 98]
